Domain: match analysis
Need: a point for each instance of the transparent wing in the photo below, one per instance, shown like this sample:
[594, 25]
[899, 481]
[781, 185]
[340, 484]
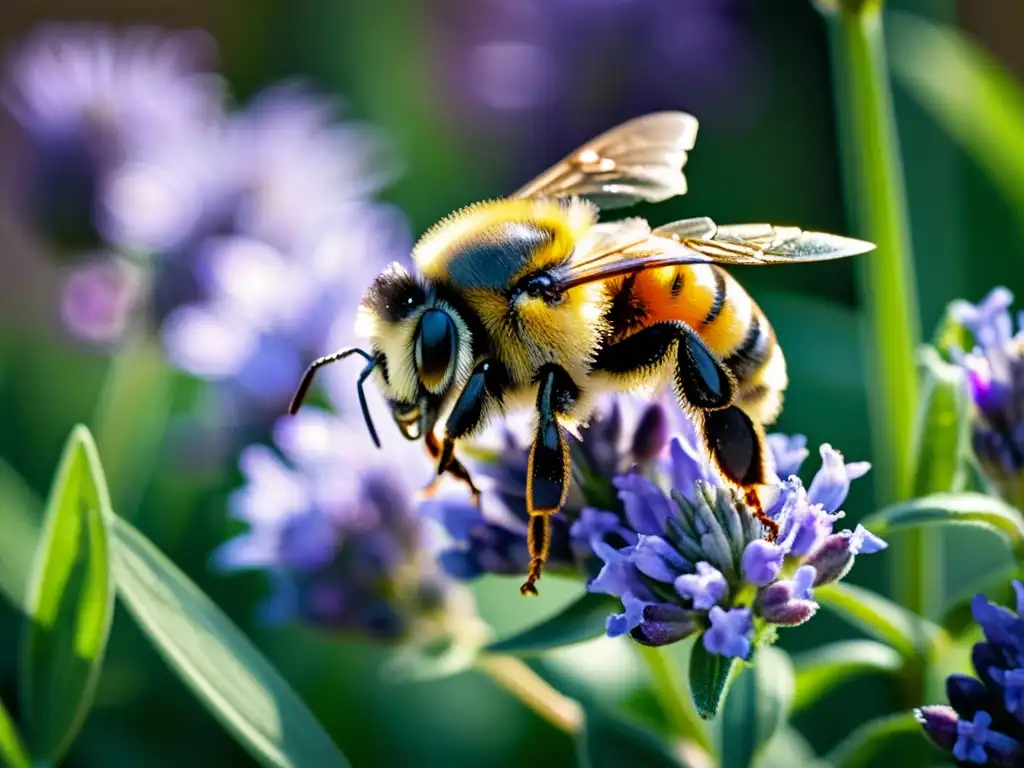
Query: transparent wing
[742, 244]
[640, 160]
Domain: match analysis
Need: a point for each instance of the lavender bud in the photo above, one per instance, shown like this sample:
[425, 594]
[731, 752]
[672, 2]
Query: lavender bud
[776, 604]
[966, 695]
[833, 559]
[939, 724]
[664, 623]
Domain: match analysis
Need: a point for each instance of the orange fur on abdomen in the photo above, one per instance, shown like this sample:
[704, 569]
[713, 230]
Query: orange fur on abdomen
[719, 309]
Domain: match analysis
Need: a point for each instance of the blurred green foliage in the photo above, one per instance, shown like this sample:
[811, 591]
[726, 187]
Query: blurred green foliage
[779, 165]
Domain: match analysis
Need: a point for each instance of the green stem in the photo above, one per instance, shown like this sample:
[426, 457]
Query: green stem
[672, 696]
[131, 418]
[885, 278]
[529, 688]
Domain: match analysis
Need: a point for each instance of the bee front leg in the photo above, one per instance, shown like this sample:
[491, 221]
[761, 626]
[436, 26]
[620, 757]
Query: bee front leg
[483, 388]
[548, 468]
[454, 467]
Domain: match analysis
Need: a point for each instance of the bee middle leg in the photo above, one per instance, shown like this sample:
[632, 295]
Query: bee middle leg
[548, 468]
[706, 390]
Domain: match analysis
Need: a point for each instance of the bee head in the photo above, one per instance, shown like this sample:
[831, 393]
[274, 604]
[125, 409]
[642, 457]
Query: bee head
[420, 344]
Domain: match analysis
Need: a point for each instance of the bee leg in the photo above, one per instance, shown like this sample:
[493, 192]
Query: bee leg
[548, 468]
[484, 386]
[454, 467]
[701, 378]
[737, 446]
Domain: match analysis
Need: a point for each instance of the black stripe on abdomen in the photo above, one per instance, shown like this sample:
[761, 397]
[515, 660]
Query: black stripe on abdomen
[753, 351]
[719, 303]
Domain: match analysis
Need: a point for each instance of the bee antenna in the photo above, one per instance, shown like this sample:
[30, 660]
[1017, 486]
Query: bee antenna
[307, 377]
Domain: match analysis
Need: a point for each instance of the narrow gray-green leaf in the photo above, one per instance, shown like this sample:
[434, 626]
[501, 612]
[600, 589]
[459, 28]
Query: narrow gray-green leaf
[871, 744]
[221, 666]
[879, 617]
[611, 742]
[579, 622]
[975, 509]
[758, 705]
[69, 605]
[827, 667]
[710, 678]
[943, 428]
[957, 618]
[21, 513]
[12, 749]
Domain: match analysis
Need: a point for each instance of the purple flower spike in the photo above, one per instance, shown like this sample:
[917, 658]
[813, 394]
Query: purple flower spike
[656, 558]
[788, 452]
[762, 562]
[995, 699]
[705, 588]
[989, 320]
[731, 632]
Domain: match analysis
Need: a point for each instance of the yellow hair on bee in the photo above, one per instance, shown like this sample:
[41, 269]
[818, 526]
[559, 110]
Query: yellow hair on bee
[564, 221]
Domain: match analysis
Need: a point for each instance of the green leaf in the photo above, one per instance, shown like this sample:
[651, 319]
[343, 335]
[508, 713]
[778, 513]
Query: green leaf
[758, 705]
[943, 429]
[957, 618]
[579, 622]
[975, 509]
[880, 618]
[827, 667]
[869, 745]
[610, 742]
[787, 750]
[69, 605]
[434, 662]
[21, 512]
[710, 678]
[12, 750]
[213, 658]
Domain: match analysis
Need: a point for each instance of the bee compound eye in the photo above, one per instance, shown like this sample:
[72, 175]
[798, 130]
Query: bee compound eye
[435, 348]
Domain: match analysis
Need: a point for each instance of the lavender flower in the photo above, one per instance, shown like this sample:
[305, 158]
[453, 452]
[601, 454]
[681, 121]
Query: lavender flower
[984, 722]
[624, 432]
[994, 371]
[335, 525]
[697, 555]
[90, 100]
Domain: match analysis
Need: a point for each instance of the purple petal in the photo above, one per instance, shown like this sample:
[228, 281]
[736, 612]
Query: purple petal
[730, 633]
[656, 558]
[705, 588]
[863, 541]
[788, 453]
[831, 483]
[621, 623]
[762, 562]
[647, 508]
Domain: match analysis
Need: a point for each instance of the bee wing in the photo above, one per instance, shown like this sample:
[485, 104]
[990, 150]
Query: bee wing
[640, 160]
[742, 244]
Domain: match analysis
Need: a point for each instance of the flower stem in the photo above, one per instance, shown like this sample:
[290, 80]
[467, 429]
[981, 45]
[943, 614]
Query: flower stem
[672, 696]
[131, 417]
[885, 278]
[523, 683]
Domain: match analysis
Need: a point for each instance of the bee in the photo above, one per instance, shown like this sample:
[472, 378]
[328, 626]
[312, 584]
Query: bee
[531, 301]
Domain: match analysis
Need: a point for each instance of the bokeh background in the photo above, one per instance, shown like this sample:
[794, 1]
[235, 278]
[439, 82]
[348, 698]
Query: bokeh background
[473, 98]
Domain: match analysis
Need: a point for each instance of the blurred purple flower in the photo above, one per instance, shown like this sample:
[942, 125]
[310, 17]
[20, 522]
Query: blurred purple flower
[994, 375]
[335, 524]
[984, 724]
[90, 100]
[701, 551]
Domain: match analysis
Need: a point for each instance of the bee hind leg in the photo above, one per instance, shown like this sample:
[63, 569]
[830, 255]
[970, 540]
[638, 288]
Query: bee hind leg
[548, 467]
[737, 446]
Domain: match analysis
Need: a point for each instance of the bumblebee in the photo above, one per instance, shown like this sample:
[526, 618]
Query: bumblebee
[531, 301]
